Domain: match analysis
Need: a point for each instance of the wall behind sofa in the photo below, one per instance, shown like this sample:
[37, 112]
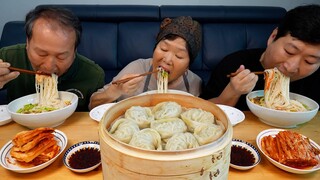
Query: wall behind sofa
[12, 10]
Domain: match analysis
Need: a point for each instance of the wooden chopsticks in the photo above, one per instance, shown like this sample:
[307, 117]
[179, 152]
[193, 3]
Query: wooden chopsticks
[27, 71]
[129, 78]
[234, 74]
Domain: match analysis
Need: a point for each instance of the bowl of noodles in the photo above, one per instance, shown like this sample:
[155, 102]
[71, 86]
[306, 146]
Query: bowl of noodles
[298, 110]
[27, 112]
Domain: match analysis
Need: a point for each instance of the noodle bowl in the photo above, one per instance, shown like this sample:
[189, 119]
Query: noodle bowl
[44, 119]
[279, 118]
[278, 107]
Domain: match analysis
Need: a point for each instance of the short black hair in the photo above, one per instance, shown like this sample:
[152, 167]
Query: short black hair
[63, 16]
[303, 23]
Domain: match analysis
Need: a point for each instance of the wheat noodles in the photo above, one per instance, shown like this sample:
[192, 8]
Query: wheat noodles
[47, 91]
[162, 80]
[47, 96]
[276, 93]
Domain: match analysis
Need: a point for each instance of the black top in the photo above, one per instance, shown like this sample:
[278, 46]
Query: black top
[251, 60]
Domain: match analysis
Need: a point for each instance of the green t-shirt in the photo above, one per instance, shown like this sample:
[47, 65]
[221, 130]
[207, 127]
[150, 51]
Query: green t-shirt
[83, 78]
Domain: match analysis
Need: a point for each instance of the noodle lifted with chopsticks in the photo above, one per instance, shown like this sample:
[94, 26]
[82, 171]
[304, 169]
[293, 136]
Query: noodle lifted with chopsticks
[162, 80]
[47, 91]
[276, 92]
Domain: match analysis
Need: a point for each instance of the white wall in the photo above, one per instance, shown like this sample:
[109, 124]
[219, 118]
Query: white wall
[11, 10]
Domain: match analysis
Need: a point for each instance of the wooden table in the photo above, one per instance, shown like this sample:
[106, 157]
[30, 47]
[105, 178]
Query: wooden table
[80, 127]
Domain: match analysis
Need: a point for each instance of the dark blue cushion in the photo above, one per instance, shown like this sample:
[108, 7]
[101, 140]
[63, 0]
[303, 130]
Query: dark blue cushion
[99, 43]
[13, 33]
[136, 40]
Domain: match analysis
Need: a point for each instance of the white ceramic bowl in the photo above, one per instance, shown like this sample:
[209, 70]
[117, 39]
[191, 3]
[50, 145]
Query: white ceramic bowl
[250, 148]
[5, 117]
[235, 115]
[98, 112]
[9, 162]
[45, 119]
[279, 118]
[273, 133]
[76, 147]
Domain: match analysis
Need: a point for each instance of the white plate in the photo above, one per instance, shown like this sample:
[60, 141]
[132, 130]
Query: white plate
[274, 132]
[249, 147]
[9, 162]
[76, 147]
[172, 91]
[235, 115]
[98, 112]
[4, 115]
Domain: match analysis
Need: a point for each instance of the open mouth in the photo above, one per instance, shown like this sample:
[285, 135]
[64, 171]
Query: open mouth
[162, 69]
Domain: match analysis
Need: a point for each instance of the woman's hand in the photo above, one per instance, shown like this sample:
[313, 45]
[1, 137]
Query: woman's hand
[131, 86]
[112, 92]
[5, 74]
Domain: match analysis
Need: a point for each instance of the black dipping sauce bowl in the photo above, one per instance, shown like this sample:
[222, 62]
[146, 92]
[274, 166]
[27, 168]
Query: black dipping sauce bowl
[244, 155]
[83, 156]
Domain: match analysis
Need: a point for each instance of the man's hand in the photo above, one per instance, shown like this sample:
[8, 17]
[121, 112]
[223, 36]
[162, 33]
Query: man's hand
[5, 74]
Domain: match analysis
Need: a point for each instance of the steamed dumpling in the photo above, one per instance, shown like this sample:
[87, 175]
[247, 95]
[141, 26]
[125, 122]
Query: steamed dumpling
[165, 110]
[181, 141]
[123, 129]
[141, 115]
[168, 127]
[195, 117]
[206, 133]
[147, 139]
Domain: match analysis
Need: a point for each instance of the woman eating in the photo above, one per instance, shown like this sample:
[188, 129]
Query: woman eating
[177, 45]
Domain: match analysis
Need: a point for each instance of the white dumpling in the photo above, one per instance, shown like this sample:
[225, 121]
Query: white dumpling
[141, 115]
[168, 127]
[206, 133]
[194, 117]
[147, 139]
[123, 129]
[181, 141]
[165, 110]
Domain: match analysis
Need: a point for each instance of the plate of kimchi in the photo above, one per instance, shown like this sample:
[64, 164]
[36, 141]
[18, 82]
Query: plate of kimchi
[289, 150]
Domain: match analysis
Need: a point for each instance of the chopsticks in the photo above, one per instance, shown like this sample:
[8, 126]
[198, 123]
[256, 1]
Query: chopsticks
[234, 74]
[28, 71]
[129, 78]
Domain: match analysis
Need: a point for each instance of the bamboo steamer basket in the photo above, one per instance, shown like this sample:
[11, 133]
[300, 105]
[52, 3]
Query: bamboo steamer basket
[122, 161]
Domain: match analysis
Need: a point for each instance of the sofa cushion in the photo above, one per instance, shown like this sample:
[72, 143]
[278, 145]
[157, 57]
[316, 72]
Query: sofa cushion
[13, 33]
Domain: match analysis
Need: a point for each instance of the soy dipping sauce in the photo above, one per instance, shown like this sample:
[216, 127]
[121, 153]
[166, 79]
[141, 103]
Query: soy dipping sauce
[241, 156]
[85, 158]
